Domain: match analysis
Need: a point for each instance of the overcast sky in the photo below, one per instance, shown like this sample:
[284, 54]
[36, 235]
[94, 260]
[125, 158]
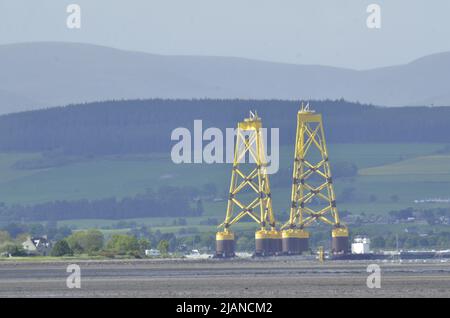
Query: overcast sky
[327, 32]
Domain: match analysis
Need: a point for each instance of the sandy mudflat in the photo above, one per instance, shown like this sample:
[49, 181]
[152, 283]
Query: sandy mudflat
[218, 278]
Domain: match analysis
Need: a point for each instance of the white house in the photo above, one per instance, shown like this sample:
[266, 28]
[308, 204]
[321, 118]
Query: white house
[37, 246]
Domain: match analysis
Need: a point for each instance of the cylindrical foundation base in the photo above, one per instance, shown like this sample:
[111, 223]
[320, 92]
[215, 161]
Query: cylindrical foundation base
[267, 243]
[340, 242]
[225, 244]
[295, 241]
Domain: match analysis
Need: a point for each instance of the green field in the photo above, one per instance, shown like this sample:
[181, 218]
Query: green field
[433, 165]
[408, 171]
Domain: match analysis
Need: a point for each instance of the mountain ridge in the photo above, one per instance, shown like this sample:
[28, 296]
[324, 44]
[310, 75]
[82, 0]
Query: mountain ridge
[46, 74]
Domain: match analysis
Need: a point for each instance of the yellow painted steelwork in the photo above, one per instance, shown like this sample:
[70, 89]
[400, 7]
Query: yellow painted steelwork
[295, 233]
[222, 236]
[267, 234]
[249, 142]
[340, 232]
[312, 196]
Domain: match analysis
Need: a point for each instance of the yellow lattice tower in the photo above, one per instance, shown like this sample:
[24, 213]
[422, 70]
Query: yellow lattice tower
[312, 197]
[249, 180]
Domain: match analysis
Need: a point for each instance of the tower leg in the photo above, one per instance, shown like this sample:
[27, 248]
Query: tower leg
[295, 241]
[339, 240]
[225, 244]
[268, 243]
[277, 242]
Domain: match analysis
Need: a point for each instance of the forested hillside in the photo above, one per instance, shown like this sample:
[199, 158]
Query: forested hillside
[167, 201]
[144, 126]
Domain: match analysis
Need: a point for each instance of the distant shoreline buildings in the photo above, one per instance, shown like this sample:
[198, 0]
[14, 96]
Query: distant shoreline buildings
[435, 200]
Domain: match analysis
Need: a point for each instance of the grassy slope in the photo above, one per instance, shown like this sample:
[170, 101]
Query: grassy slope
[125, 176]
[385, 169]
[434, 165]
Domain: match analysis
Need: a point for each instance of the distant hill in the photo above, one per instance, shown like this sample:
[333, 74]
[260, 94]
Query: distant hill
[145, 126]
[39, 75]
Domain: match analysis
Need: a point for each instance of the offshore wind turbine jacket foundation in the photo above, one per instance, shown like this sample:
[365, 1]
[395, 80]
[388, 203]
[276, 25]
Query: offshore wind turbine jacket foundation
[312, 196]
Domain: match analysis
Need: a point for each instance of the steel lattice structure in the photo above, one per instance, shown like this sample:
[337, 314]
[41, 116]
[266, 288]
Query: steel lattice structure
[249, 142]
[312, 196]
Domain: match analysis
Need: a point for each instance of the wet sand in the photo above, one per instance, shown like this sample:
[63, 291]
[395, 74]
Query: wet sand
[224, 278]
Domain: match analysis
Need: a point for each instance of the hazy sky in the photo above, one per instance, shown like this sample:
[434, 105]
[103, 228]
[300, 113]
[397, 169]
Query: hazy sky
[330, 32]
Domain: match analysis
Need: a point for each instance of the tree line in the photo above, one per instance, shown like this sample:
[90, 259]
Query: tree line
[145, 126]
[165, 202]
